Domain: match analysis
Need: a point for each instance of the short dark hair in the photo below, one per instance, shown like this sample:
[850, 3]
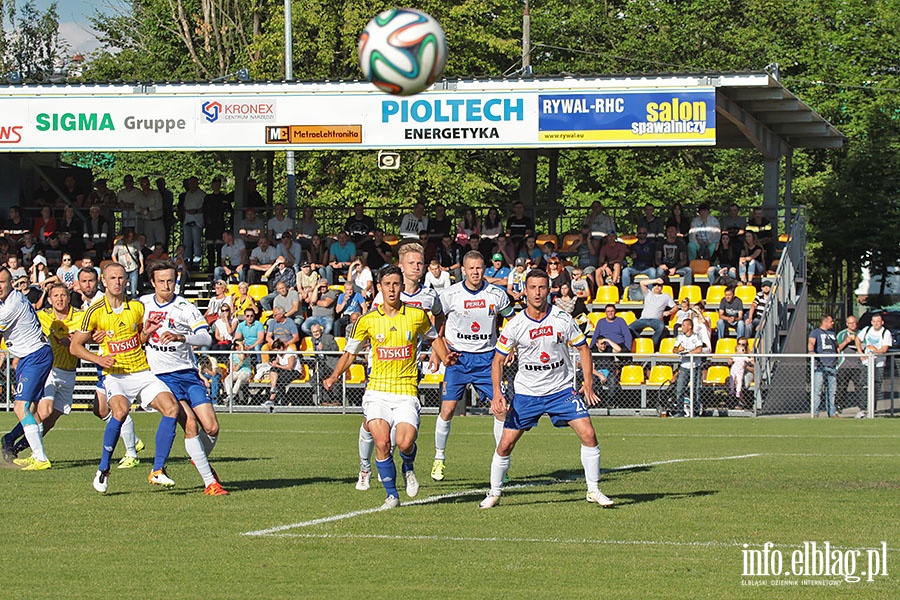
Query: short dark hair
[155, 266]
[389, 270]
[537, 274]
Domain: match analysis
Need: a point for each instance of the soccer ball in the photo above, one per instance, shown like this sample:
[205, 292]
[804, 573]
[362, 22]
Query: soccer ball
[402, 51]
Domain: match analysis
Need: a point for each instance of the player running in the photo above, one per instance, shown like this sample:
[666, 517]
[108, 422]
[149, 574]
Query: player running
[127, 374]
[391, 396]
[543, 335]
[472, 308]
[57, 323]
[25, 341]
[175, 326]
[411, 260]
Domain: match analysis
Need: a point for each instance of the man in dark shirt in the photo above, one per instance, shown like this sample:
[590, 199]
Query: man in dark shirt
[764, 231]
[216, 210]
[376, 252]
[359, 226]
[671, 256]
[822, 341]
[731, 315]
[643, 258]
[518, 226]
[439, 225]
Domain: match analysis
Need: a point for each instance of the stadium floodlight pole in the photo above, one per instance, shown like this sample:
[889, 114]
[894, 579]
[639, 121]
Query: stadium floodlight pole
[289, 76]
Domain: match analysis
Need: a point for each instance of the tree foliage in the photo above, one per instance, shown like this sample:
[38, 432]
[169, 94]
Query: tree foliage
[31, 46]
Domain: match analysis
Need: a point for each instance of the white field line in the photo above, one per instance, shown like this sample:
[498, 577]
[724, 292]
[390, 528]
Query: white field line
[474, 492]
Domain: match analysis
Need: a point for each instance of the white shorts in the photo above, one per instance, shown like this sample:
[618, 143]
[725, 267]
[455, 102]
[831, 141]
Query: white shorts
[144, 385]
[59, 387]
[393, 408]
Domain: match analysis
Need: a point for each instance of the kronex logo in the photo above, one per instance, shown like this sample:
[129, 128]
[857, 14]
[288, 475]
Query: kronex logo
[218, 111]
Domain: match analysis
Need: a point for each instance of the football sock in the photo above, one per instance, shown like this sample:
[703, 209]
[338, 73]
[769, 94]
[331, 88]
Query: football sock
[194, 449]
[165, 436]
[208, 441]
[388, 472]
[366, 447]
[33, 435]
[499, 467]
[129, 438]
[441, 433]
[15, 433]
[21, 444]
[110, 439]
[590, 459]
[393, 439]
[409, 459]
[498, 431]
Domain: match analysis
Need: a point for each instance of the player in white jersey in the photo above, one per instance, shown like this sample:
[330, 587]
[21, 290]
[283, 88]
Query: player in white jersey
[471, 308]
[26, 342]
[543, 335]
[411, 260]
[175, 327]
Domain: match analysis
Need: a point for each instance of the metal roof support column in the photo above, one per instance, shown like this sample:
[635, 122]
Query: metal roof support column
[771, 186]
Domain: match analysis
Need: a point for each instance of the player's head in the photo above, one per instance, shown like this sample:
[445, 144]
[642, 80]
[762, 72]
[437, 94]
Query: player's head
[473, 268]
[115, 280]
[163, 278]
[411, 261]
[6, 284]
[537, 288]
[59, 297]
[390, 283]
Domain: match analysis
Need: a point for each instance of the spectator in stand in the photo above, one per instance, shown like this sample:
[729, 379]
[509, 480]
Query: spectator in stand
[279, 272]
[359, 226]
[281, 329]
[72, 194]
[284, 369]
[322, 301]
[326, 356]
[643, 258]
[655, 226]
[262, 259]
[731, 315]
[765, 233]
[239, 375]
[307, 227]
[251, 333]
[242, 301]
[435, 278]
[234, 261]
[582, 286]
[96, 234]
[570, 303]
[469, 224]
[823, 343]
[192, 227]
[288, 300]
[704, 234]
[739, 373]
[497, 274]
[587, 249]
[306, 281]
[216, 210]
[28, 250]
[558, 276]
[725, 260]
[753, 257]
[251, 228]
[850, 368]
[439, 225]
[223, 329]
[44, 225]
[127, 253]
[252, 197]
[361, 276]
[733, 223]
[87, 291]
[682, 224]
[613, 329]
[449, 255]
[53, 252]
[876, 340]
[684, 312]
[414, 222]
[349, 307]
[530, 252]
[319, 259]
[519, 226]
[343, 253]
[612, 260]
[689, 343]
[15, 227]
[515, 284]
[548, 251]
[149, 208]
[492, 228]
[67, 272]
[376, 253]
[102, 196]
[127, 199]
[40, 274]
[158, 253]
[288, 250]
[671, 256]
[71, 224]
[279, 224]
[5, 250]
[16, 270]
[219, 300]
[657, 308]
[599, 222]
[758, 308]
[429, 246]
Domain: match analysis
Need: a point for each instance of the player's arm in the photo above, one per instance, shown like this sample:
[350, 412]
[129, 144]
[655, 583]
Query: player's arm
[343, 364]
[498, 403]
[587, 369]
[78, 349]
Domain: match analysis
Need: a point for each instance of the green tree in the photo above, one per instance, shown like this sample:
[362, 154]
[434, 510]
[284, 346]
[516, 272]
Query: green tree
[32, 47]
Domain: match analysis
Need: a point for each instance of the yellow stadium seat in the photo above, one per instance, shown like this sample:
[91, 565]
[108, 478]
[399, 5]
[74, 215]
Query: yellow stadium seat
[726, 345]
[304, 375]
[356, 374]
[642, 345]
[713, 317]
[568, 241]
[391, 240]
[691, 292]
[632, 375]
[258, 291]
[607, 294]
[714, 295]
[341, 342]
[717, 375]
[699, 266]
[594, 318]
[626, 300]
[433, 378]
[306, 346]
[233, 289]
[750, 343]
[667, 289]
[667, 346]
[543, 238]
[628, 240]
[660, 375]
[746, 293]
[628, 316]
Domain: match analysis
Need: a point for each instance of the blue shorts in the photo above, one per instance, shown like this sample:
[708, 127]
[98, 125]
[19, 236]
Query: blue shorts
[31, 374]
[562, 407]
[187, 385]
[469, 368]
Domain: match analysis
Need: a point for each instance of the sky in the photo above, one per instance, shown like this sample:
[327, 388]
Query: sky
[74, 26]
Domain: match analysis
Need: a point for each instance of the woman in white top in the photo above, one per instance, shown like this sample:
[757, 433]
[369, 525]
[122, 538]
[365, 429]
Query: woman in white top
[284, 370]
[223, 329]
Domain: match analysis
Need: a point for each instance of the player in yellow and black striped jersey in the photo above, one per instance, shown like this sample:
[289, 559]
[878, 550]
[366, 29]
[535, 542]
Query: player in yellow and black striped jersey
[122, 326]
[391, 398]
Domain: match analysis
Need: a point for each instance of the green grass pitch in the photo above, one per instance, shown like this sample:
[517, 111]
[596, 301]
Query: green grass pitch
[689, 492]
